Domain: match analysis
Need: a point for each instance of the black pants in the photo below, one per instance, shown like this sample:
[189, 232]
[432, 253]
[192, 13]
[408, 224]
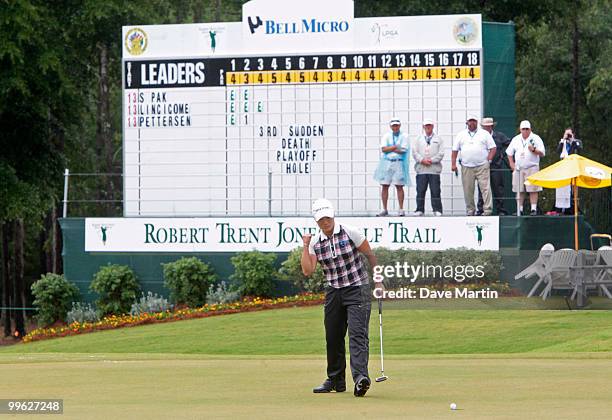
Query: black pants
[433, 180]
[347, 307]
[497, 187]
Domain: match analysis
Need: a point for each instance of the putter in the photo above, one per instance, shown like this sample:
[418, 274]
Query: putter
[383, 377]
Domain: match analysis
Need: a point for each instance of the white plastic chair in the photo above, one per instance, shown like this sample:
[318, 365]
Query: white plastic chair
[538, 267]
[603, 276]
[558, 271]
[585, 274]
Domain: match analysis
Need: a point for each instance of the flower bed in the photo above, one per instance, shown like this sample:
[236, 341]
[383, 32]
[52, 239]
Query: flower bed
[121, 321]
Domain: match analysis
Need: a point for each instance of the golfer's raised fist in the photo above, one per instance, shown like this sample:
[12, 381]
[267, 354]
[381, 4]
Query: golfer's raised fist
[306, 238]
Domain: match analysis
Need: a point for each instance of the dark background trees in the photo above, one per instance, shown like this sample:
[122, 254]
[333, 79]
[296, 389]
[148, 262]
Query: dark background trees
[60, 100]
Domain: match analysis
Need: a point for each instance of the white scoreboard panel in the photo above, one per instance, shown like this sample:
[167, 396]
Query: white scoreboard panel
[218, 124]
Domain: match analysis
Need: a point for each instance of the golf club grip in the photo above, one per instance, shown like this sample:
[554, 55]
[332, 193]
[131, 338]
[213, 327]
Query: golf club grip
[379, 305]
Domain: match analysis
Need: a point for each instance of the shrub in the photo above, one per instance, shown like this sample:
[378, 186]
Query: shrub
[117, 287]
[221, 294]
[188, 280]
[82, 312]
[291, 270]
[490, 262]
[255, 272]
[53, 295]
[150, 303]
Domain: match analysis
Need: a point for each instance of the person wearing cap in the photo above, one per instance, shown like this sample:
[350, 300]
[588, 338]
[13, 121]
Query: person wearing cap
[477, 149]
[498, 166]
[428, 151]
[524, 153]
[393, 165]
[338, 248]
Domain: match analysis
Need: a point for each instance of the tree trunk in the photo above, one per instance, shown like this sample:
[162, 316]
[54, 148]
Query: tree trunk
[198, 11]
[181, 7]
[43, 245]
[6, 279]
[575, 71]
[19, 301]
[103, 134]
[56, 243]
[217, 10]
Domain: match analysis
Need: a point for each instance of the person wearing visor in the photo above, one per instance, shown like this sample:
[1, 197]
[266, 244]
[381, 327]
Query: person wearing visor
[338, 248]
[393, 165]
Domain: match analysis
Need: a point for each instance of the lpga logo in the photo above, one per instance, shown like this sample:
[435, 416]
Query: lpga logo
[384, 32]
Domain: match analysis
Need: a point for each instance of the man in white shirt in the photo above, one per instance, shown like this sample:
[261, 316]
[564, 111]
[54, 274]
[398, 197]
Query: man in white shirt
[477, 149]
[524, 153]
[393, 165]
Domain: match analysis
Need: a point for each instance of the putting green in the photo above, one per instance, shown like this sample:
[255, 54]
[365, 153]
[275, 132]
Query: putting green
[160, 386]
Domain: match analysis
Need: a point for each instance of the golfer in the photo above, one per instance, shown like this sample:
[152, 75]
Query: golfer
[337, 248]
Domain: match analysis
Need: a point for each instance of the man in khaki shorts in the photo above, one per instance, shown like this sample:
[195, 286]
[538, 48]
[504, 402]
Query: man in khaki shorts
[524, 153]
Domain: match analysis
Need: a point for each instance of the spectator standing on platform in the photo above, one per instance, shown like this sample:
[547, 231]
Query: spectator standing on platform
[393, 165]
[568, 145]
[428, 151]
[524, 153]
[498, 165]
[477, 149]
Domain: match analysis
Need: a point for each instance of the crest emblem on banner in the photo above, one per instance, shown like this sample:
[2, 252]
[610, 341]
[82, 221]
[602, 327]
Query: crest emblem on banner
[136, 41]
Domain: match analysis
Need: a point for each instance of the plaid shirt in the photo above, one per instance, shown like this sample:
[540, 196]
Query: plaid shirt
[341, 261]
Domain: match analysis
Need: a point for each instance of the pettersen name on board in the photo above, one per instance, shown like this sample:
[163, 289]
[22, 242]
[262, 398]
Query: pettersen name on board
[154, 110]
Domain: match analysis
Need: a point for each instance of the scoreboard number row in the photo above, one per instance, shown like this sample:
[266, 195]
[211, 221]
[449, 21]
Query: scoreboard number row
[352, 76]
[356, 61]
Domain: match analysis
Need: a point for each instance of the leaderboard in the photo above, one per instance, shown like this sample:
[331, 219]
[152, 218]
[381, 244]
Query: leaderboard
[304, 69]
[228, 119]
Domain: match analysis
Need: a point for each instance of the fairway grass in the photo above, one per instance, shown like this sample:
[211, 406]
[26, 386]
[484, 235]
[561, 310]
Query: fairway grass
[494, 364]
[299, 331]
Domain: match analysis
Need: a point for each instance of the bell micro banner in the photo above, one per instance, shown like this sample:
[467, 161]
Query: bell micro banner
[282, 234]
[261, 117]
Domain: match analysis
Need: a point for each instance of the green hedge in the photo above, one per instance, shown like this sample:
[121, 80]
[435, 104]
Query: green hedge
[117, 287]
[488, 265]
[254, 271]
[53, 295]
[188, 280]
[291, 270]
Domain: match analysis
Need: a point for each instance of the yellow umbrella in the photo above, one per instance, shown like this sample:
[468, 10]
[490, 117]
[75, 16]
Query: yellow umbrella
[577, 171]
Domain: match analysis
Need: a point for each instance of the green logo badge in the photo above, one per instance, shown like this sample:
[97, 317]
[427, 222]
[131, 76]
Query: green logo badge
[213, 40]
